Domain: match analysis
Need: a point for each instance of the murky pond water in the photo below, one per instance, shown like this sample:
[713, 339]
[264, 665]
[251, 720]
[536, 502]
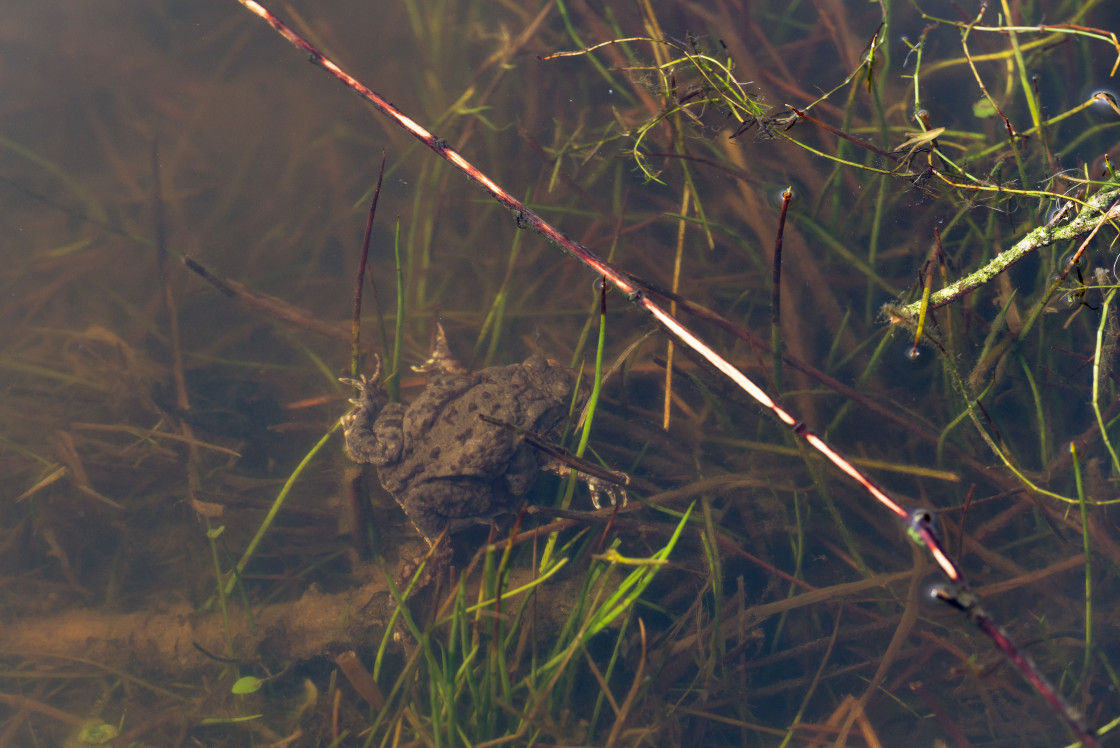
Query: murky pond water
[184, 205]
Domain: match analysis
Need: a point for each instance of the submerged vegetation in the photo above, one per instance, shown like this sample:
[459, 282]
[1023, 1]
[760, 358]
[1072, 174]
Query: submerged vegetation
[899, 219]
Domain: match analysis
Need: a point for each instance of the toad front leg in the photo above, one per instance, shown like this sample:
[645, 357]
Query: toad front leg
[372, 428]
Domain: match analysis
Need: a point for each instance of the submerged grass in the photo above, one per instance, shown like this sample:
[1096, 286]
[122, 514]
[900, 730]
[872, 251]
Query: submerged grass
[484, 688]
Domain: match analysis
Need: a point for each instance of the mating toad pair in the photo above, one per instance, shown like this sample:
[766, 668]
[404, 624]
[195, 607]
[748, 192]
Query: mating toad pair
[445, 465]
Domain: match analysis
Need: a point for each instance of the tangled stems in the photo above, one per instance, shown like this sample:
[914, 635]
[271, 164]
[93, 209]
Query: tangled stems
[1102, 206]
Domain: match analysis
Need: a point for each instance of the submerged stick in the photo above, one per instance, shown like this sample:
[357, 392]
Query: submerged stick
[776, 291]
[919, 521]
[1103, 204]
[356, 324]
[268, 305]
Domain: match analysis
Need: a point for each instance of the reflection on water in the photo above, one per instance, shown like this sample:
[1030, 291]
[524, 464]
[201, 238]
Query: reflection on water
[151, 420]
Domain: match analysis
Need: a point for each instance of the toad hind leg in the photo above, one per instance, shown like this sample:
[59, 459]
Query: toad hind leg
[598, 481]
[452, 504]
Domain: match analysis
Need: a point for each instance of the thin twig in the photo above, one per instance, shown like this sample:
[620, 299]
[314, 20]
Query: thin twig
[356, 324]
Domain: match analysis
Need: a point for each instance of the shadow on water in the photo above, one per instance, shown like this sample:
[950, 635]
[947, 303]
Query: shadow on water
[749, 594]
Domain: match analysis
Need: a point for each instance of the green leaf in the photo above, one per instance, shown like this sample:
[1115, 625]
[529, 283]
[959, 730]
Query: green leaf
[983, 109]
[247, 685]
[97, 733]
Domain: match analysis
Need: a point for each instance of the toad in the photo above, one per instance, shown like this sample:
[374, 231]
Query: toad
[446, 466]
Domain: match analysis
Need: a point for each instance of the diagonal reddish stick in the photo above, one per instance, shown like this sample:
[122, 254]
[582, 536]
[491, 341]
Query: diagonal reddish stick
[919, 521]
[527, 218]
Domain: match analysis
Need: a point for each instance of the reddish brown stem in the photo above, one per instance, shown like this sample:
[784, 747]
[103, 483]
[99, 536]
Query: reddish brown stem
[356, 325]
